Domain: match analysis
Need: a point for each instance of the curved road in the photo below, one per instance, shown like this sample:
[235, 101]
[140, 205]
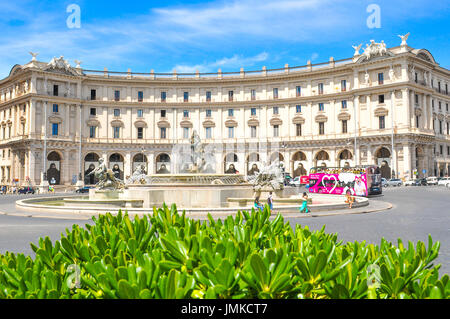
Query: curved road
[416, 212]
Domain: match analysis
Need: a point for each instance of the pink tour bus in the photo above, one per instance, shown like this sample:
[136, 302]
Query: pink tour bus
[358, 181]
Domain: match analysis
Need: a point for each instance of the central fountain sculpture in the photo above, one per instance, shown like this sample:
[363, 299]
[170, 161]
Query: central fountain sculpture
[196, 186]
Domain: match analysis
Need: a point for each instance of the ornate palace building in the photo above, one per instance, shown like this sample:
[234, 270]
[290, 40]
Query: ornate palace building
[385, 106]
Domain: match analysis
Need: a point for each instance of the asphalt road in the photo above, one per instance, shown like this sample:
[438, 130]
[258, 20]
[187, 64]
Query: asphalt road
[417, 212]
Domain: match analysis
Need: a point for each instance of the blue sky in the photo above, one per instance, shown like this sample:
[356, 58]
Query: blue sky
[208, 35]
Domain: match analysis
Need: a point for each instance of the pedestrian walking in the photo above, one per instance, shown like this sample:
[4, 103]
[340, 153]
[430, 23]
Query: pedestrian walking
[304, 207]
[349, 199]
[270, 201]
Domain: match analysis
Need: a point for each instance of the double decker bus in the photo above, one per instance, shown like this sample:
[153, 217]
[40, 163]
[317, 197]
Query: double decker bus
[357, 181]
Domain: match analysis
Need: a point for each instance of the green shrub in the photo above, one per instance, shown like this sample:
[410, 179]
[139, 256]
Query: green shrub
[167, 255]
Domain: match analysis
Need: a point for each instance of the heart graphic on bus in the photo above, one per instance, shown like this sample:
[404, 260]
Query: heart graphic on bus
[329, 177]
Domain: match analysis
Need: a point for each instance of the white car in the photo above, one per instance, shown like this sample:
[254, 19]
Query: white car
[444, 181]
[410, 182]
[432, 180]
[295, 181]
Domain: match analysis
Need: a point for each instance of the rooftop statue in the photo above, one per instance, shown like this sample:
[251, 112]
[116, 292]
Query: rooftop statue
[106, 178]
[404, 38]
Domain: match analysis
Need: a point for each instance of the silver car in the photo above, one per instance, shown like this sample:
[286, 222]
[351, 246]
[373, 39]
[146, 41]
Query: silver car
[394, 182]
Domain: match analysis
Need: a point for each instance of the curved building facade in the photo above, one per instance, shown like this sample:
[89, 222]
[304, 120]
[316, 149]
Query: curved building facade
[383, 106]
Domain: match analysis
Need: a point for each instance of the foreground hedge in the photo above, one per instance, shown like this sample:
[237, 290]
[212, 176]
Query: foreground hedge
[167, 255]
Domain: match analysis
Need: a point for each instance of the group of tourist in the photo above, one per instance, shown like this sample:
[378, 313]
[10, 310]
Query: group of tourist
[303, 209]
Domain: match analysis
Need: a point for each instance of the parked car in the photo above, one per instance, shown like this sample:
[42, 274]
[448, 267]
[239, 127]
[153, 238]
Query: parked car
[411, 182]
[421, 182]
[394, 182]
[26, 190]
[432, 180]
[84, 189]
[287, 179]
[443, 181]
[383, 182]
[295, 181]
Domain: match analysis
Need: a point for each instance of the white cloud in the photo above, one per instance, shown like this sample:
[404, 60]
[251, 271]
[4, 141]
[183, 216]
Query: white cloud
[235, 62]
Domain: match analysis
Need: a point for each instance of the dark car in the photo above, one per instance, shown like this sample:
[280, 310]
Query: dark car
[421, 182]
[82, 190]
[26, 190]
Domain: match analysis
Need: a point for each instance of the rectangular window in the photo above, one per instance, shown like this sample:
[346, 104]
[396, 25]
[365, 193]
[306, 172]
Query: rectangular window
[448, 128]
[162, 132]
[93, 95]
[344, 104]
[253, 111]
[321, 107]
[140, 96]
[446, 89]
[343, 85]
[380, 78]
[432, 104]
[440, 105]
[163, 96]
[140, 133]
[116, 131]
[298, 91]
[208, 113]
[253, 94]
[344, 126]
[416, 97]
[185, 132]
[440, 127]
[381, 122]
[448, 150]
[275, 93]
[381, 98]
[116, 112]
[320, 88]
[55, 108]
[441, 149]
[416, 77]
[55, 129]
[276, 110]
[92, 131]
[231, 132]
[298, 108]
[252, 131]
[230, 96]
[230, 112]
[93, 111]
[298, 129]
[163, 113]
[116, 95]
[208, 96]
[208, 132]
[186, 96]
[276, 130]
[185, 113]
[55, 90]
[439, 87]
[321, 128]
[417, 121]
[140, 113]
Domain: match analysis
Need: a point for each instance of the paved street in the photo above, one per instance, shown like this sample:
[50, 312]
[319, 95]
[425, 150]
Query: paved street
[417, 212]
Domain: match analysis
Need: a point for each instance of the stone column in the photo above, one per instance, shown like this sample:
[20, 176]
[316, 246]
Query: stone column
[407, 167]
[406, 104]
[356, 126]
[65, 168]
[127, 167]
[425, 111]
[31, 166]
